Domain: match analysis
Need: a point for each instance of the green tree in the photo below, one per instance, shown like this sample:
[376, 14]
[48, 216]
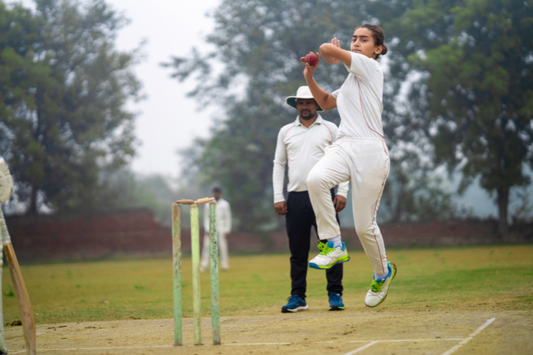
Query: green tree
[259, 44]
[476, 61]
[64, 88]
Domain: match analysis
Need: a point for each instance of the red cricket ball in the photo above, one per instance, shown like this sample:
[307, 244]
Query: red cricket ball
[311, 58]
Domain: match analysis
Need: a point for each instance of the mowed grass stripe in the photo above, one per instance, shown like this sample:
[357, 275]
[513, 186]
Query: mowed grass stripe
[469, 278]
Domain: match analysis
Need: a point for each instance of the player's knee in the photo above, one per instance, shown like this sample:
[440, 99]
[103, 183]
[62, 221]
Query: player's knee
[315, 180]
[364, 229]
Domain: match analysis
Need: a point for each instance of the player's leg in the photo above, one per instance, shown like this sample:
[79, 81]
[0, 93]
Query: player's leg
[334, 278]
[223, 249]
[299, 234]
[333, 275]
[369, 174]
[205, 253]
[331, 170]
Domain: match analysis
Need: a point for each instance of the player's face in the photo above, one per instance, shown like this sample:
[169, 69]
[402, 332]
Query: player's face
[217, 195]
[363, 43]
[306, 108]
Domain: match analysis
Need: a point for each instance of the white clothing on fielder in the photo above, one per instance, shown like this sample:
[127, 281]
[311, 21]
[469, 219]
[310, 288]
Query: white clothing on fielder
[223, 216]
[301, 148]
[360, 155]
[222, 248]
[223, 228]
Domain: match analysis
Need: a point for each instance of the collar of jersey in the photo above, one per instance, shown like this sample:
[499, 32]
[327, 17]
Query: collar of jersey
[318, 120]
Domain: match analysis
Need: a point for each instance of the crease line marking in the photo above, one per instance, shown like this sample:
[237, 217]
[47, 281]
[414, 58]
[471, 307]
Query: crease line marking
[362, 348]
[468, 338]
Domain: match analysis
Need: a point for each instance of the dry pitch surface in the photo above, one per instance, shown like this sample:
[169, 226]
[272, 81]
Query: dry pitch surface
[443, 301]
[313, 332]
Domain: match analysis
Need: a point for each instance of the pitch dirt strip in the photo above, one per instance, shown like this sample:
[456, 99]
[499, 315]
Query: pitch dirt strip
[315, 332]
[244, 344]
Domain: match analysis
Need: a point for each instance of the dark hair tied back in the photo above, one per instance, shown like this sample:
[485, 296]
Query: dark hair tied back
[379, 37]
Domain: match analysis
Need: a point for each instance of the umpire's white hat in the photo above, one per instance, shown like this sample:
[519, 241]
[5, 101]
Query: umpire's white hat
[302, 93]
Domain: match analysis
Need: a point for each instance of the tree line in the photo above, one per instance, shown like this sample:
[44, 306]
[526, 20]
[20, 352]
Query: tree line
[64, 128]
[458, 96]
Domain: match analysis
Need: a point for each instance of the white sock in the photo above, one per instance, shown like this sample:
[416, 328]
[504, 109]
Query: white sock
[337, 241]
[380, 276]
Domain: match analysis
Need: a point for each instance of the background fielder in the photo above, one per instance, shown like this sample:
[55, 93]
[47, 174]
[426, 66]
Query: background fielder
[223, 228]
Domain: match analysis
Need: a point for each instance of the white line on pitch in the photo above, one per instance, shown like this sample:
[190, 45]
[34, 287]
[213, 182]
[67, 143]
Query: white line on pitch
[22, 336]
[362, 348]
[102, 348]
[408, 340]
[259, 344]
[386, 340]
[139, 347]
[372, 342]
[468, 338]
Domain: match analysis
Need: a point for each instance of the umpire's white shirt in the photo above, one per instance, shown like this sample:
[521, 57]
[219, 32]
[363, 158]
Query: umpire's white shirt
[223, 217]
[301, 148]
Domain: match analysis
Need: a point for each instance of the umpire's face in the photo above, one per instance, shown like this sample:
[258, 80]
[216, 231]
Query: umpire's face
[306, 108]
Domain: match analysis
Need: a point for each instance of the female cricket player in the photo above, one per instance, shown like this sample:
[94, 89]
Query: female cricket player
[359, 154]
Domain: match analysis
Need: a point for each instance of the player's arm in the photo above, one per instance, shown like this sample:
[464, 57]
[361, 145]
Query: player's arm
[329, 58]
[333, 53]
[324, 99]
[278, 175]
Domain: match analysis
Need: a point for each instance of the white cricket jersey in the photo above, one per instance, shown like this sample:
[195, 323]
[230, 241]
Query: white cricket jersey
[360, 99]
[223, 216]
[301, 148]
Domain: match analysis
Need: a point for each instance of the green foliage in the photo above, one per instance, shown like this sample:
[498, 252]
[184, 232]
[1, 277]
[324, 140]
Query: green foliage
[522, 208]
[469, 101]
[259, 43]
[476, 57]
[63, 90]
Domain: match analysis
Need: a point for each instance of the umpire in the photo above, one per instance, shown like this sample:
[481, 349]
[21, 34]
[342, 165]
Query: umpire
[300, 145]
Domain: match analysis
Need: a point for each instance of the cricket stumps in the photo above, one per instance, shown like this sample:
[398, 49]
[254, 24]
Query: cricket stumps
[195, 255]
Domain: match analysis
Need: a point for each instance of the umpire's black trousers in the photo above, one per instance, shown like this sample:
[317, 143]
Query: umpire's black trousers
[299, 220]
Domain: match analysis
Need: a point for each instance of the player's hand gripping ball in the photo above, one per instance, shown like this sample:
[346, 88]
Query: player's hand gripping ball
[311, 58]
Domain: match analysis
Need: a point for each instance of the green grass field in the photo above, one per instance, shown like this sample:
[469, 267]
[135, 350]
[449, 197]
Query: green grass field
[469, 278]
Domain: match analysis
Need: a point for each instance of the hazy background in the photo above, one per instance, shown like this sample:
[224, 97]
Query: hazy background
[167, 121]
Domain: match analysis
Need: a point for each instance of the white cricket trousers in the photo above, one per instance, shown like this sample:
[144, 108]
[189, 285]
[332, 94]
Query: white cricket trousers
[364, 161]
[222, 247]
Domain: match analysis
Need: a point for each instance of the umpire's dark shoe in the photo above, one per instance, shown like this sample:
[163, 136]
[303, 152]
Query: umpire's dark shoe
[296, 303]
[335, 302]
